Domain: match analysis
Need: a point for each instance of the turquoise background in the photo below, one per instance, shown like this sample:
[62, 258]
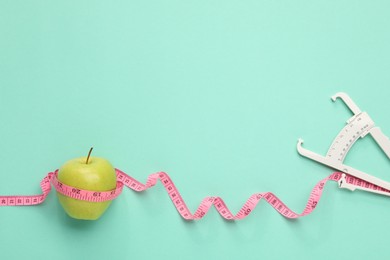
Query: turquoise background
[215, 93]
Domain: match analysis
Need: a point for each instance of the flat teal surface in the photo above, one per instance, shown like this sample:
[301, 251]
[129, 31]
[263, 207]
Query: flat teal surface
[216, 94]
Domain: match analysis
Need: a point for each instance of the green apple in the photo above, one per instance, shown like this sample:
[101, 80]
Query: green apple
[87, 173]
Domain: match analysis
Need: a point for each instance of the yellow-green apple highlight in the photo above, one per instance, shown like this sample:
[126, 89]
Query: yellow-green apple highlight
[87, 173]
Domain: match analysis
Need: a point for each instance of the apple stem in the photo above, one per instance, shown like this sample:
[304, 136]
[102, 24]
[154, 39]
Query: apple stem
[89, 154]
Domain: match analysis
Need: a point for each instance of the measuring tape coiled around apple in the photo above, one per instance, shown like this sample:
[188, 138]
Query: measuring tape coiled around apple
[125, 180]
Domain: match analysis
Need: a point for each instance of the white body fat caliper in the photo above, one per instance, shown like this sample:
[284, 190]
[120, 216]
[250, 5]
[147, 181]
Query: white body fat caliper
[358, 126]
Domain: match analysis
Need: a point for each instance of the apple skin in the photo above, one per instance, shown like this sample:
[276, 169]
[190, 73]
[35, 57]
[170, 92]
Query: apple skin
[97, 175]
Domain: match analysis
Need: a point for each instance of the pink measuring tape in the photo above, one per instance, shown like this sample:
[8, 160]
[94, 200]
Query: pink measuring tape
[358, 126]
[125, 180]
